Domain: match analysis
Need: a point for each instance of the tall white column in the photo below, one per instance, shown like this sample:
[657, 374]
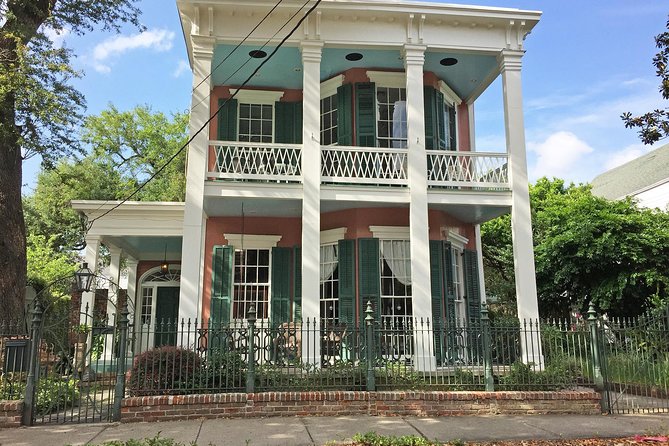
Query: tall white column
[521, 218]
[419, 237]
[114, 278]
[192, 251]
[311, 201]
[479, 261]
[133, 304]
[91, 255]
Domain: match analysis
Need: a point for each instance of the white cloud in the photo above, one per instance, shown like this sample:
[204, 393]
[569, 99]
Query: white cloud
[182, 68]
[558, 155]
[56, 36]
[156, 40]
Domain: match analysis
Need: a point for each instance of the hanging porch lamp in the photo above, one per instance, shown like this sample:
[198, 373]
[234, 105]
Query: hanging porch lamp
[84, 278]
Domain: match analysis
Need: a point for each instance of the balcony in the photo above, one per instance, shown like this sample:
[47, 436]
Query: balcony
[341, 165]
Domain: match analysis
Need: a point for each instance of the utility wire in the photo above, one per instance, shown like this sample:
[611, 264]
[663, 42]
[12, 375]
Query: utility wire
[249, 59]
[173, 157]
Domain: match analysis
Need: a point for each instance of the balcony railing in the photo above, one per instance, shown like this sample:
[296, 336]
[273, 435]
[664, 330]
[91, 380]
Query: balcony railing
[363, 165]
[256, 161]
[467, 169]
[342, 165]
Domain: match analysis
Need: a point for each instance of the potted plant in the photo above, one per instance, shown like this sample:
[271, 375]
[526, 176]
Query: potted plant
[82, 331]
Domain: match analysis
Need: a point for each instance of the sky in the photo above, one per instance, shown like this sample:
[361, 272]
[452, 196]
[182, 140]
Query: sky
[586, 63]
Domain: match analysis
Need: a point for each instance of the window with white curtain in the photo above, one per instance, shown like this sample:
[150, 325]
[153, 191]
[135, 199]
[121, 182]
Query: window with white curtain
[391, 119]
[329, 277]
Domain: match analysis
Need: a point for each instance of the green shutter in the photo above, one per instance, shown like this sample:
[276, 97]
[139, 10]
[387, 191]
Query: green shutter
[288, 122]
[430, 99]
[370, 277]
[451, 350]
[345, 115]
[227, 120]
[221, 288]
[451, 143]
[280, 286]
[440, 109]
[346, 267]
[437, 288]
[297, 283]
[365, 114]
[472, 288]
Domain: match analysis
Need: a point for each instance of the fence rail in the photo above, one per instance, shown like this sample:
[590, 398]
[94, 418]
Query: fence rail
[363, 165]
[468, 169]
[256, 161]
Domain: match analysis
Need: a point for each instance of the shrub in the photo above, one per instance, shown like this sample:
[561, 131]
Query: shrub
[222, 370]
[12, 386]
[560, 373]
[163, 370]
[54, 394]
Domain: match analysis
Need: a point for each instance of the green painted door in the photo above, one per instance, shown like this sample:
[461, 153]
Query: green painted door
[167, 312]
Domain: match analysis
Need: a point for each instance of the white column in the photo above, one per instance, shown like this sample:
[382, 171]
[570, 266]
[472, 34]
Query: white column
[419, 237]
[133, 304]
[91, 254]
[479, 261]
[194, 228]
[521, 219]
[311, 201]
[114, 278]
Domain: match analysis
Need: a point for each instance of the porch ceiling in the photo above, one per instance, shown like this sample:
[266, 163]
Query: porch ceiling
[284, 70]
[147, 247]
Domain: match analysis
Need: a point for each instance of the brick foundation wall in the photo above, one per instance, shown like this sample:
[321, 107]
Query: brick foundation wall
[10, 413]
[242, 405]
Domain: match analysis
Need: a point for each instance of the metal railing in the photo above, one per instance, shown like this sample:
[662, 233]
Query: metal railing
[259, 162]
[467, 169]
[363, 165]
[14, 359]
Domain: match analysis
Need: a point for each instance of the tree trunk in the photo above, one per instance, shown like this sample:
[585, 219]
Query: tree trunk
[13, 232]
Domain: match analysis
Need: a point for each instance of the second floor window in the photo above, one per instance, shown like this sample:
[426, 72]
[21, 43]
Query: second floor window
[391, 118]
[256, 123]
[329, 120]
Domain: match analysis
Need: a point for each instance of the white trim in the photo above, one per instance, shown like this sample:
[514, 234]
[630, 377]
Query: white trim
[330, 86]
[332, 235]
[263, 97]
[458, 241]
[390, 232]
[449, 94]
[388, 79]
[252, 241]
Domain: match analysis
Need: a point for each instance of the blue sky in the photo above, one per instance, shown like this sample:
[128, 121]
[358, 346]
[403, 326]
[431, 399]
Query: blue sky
[586, 63]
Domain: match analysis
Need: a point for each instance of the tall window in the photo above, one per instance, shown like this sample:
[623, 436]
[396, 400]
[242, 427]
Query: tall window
[147, 303]
[396, 308]
[329, 120]
[449, 121]
[391, 117]
[256, 122]
[329, 275]
[251, 285]
[458, 284]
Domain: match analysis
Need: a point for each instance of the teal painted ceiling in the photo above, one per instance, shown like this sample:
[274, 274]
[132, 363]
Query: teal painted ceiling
[284, 69]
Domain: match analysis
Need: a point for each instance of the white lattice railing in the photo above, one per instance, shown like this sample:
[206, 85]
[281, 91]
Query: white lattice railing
[363, 165]
[256, 161]
[470, 169]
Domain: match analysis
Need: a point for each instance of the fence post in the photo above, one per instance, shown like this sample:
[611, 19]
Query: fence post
[596, 357]
[33, 368]
[369, 333]
[487, 351]
[251, 355]
[119, 390]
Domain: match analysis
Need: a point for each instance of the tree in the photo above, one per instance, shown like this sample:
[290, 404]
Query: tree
[654, 125]
[587, 249]
[38, 108]
[138, 143]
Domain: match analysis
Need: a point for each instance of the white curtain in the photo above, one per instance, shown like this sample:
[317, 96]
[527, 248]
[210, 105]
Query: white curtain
[400, 125]
[328, 261]
[396, 254]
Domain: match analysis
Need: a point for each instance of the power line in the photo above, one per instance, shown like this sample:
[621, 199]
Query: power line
[173, 157]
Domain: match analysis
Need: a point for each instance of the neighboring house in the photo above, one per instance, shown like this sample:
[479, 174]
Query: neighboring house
[645, 179]
[344, 172]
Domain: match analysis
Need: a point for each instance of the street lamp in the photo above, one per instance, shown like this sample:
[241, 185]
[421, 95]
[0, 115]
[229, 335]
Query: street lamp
[84, 278]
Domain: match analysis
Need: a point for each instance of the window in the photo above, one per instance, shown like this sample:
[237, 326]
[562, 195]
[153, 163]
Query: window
[255, 122]
[329, 120]
[251, 283]
[391, 117]
[329, 275]
[449, 127]
[147, 303]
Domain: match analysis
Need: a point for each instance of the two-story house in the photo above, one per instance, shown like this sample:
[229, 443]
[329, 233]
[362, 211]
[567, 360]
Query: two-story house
[345, 171]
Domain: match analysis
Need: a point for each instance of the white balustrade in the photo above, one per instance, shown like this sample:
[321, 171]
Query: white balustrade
[467, 169]
[254, 161]
[363, 165]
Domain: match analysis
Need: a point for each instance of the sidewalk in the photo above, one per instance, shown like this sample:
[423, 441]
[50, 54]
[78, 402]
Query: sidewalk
[298, 431]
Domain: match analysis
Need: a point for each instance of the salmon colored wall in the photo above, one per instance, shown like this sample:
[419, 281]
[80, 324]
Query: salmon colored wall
[290, 230]
[464, 140]
[430, 80]
[355, 75]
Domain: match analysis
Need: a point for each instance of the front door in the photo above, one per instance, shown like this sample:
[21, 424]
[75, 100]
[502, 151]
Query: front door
[167, 312]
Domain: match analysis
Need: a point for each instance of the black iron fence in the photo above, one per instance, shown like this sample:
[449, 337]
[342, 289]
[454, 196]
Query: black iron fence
[14, 358]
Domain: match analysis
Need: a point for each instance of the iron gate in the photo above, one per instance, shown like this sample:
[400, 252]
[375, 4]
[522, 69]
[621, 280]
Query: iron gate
[635, 363]
[75, 375]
